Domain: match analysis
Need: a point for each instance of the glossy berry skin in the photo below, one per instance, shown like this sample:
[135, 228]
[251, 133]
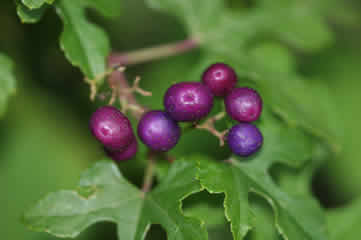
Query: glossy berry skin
[158, 131]
[243, 104]
[188, 101]
[244, 139]
[220, 78]
[112, 128]
[124, 155]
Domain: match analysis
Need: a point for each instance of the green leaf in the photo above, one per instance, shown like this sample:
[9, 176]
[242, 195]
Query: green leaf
[222, 30]
[295, 218]
[85, 45]
[27, 15]
[262, 220]
[298, 101]
[109, 8]
[345, 223]
[104, 195]
[32, 4]
[210, 215]
[7, 81]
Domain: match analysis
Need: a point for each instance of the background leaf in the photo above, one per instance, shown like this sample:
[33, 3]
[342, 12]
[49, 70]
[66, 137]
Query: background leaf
[282, 145]
[32, 4]
[345, 222]
[85, 45]
[27, 15]
[7, 81]
[104, 195]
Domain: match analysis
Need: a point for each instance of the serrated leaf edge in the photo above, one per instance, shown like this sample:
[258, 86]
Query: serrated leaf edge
[245, 229]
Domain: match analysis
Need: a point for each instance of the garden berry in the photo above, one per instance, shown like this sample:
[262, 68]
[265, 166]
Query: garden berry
[188, 101]
[243, 104]
[111, 128]
[244, 139]
[158, 131]
[220, 78]
[124, 155]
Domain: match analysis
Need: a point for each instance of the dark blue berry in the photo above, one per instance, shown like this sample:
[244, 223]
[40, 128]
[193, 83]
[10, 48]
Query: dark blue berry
[244, 139]
[158, 131]
[124, 155]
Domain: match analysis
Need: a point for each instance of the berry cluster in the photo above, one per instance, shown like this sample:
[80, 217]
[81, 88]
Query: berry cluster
[242, 104]
[184, 102]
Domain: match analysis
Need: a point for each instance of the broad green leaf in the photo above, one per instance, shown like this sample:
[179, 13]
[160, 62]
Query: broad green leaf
[262, 220]
[32, 4]
[273, 56]
[104, 195]
[109, 8]
[345, 223]
[85, 44]
[27, 15]
[30, 135]
[295, 217]
[211, 216]
[7, 81]
[299, 24]
[298, 101]
[222, 30]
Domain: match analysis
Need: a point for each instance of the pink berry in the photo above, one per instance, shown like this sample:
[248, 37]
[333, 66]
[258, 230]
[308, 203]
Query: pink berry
[124, 155]
[244, 104]
[112, 128]
[220, 78]
[188, 101]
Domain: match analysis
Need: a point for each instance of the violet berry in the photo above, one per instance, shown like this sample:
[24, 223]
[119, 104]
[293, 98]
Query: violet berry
[243, 104]
[112, 128]
[220, 78]
[158, 131]
[244, 139]
[188, 101]
[124, 155]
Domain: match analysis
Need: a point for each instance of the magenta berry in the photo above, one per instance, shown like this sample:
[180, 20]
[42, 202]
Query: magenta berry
[112, 128]
[243, 104]
[188, 101]
[158, 131]
[244, 139]
[124, 155]
[220, 78]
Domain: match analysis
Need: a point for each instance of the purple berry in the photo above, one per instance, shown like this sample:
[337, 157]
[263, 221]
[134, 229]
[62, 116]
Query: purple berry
[112, 128]
[244, 139]
[244, 104]
[188, 101]
[220, 78]
[124, 155]
[158, 131]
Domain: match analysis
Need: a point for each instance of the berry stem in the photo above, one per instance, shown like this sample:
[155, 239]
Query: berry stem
[120, 86]
[149, 174]
[152, 53]
[209, 125]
